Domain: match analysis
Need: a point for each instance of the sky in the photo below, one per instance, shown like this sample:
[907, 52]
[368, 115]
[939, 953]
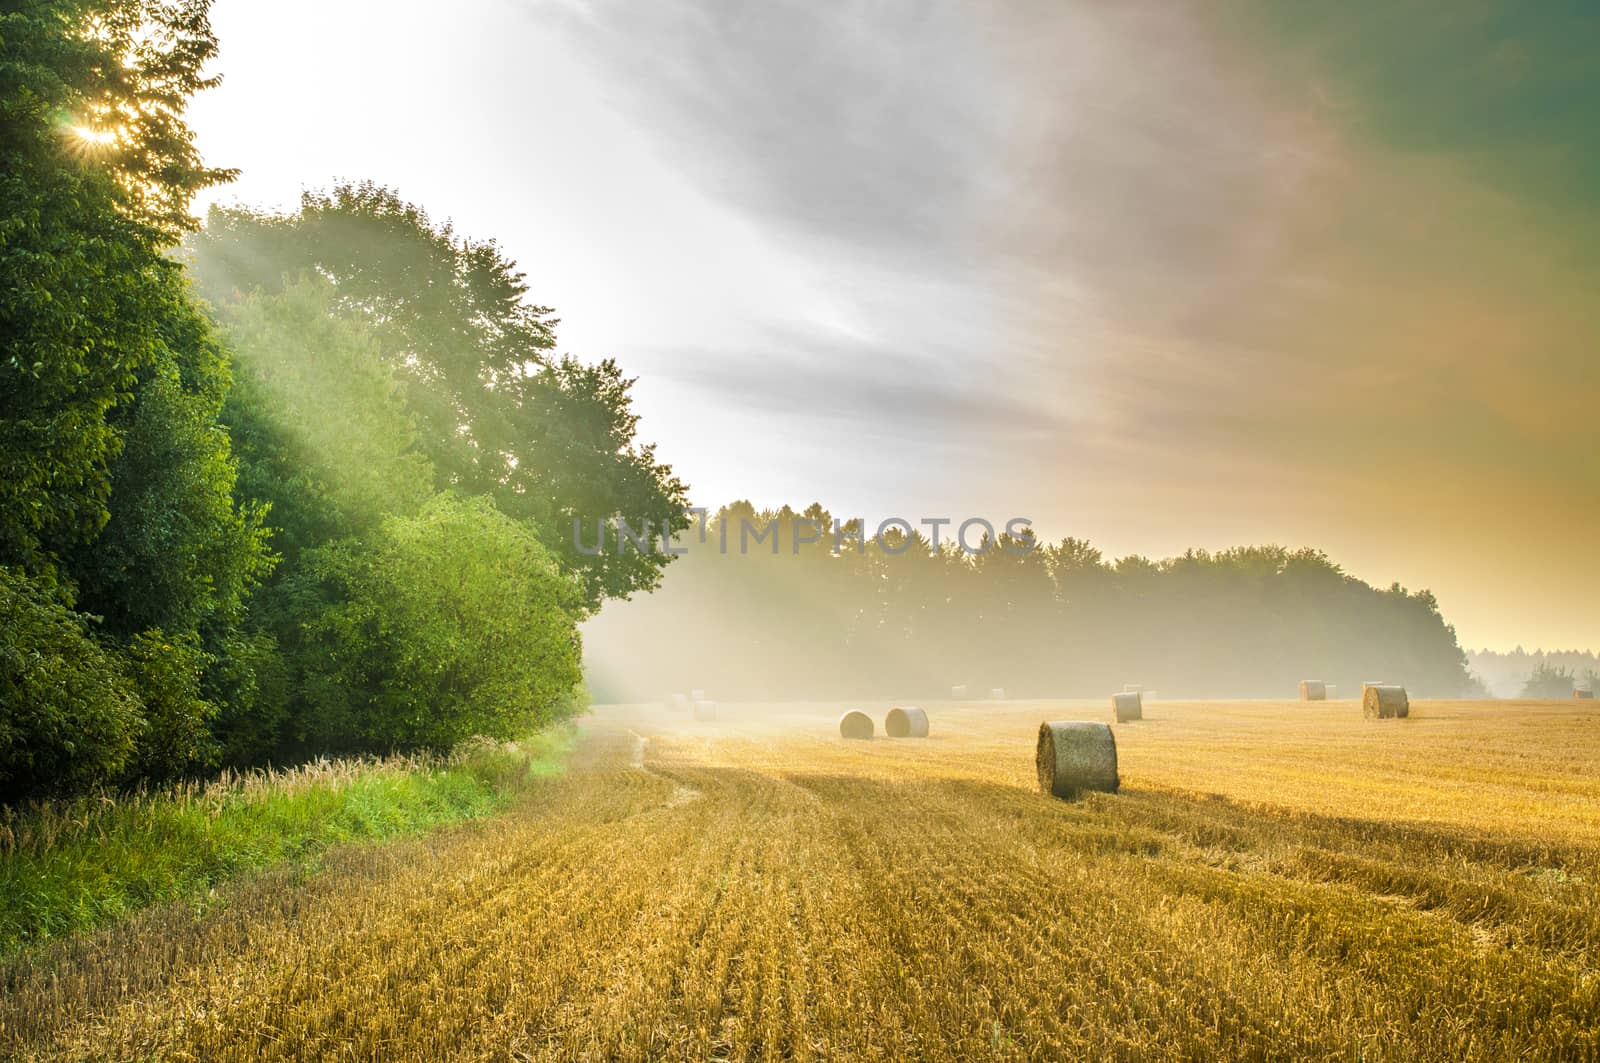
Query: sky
[1156, 274]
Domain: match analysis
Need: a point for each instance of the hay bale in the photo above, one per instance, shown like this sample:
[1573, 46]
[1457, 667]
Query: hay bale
[959, 692]
[855, 724]
[1365, 683]
[997, 693]
[906, 722]
[680, 703]
[1583, 693]
[1076, 755]
[1385, 703]
[1330, 690]
[1127, 706]
[1313, 690]
[697, 695]
[704, 710]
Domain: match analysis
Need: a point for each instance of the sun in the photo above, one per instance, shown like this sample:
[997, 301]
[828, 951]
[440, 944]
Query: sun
[95, 137]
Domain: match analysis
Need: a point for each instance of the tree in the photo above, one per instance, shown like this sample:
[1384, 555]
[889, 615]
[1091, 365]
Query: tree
[166, 672]
[98, 170]
[176, 553]
[69, 719]
[323, 434]
[1037, 620]
[550, 439]
[130, 561]
[449, 624]
[1549, 681]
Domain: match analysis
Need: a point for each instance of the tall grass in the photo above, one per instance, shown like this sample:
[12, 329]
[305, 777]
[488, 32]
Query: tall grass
[71, 866]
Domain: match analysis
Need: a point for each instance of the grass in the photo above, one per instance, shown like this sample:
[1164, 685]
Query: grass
[69, 867]
[1275, 880]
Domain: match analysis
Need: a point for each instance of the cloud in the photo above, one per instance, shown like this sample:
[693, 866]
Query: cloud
[1339, 253]
[865, 124]
[853, 385]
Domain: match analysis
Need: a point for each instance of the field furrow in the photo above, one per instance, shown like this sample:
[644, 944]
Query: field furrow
[758, 889]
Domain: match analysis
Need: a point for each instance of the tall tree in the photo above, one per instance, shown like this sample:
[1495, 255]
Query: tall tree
[97, 169]
[116, 480]
[550, 439]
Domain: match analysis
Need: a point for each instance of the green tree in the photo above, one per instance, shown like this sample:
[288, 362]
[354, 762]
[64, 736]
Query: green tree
[452, 623]
[176, 552]
[97, 169]
[550, 439]
[323, 434]
[250, 685]
[116, 479]
[174, 738]
[69, 719]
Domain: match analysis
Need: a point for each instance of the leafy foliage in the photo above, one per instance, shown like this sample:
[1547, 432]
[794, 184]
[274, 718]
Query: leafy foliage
[142, 646]
[175, 740]
[176, 552]
[321, 431]
[449, 624]
[68, 717]
[249, 683]
[550, 439]
[96, 173]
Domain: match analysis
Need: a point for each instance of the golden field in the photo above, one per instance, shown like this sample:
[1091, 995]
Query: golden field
[1275, 879]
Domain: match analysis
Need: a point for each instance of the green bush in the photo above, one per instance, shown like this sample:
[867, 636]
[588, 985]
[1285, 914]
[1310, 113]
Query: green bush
[446, 625]
[165, 672]
[69, 718]
[249, 683]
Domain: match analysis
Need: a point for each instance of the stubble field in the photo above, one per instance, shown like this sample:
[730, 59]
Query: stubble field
[1275, 878]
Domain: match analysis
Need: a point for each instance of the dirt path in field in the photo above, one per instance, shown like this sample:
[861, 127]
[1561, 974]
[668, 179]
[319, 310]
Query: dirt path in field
[767, 891]
[680, 794]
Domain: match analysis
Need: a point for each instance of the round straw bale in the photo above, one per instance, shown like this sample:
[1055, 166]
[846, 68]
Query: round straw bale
[1330, 690]
[1385, 702]
[680, 703]
[1127, 706]
[704, 710]
[855, 724]
[997, 693]
[1076, 755]
[906, 722]
[1582, 692]
[1313, 690]
[697, 695]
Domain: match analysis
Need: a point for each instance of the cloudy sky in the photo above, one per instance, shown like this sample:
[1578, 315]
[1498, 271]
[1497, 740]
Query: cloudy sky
[1156, 274]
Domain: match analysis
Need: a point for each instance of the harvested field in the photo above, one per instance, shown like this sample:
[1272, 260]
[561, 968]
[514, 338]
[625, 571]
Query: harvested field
[1274, 879]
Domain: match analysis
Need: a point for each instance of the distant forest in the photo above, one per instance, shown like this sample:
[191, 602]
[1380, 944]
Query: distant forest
[1061, 620]
[1537, 674]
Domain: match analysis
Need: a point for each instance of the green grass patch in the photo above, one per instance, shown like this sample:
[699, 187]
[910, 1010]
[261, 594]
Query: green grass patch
[67, 867]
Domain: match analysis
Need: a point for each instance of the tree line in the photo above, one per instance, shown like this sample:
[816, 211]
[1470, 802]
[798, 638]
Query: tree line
[1540, 674]
[893, 617]
[287, 485]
